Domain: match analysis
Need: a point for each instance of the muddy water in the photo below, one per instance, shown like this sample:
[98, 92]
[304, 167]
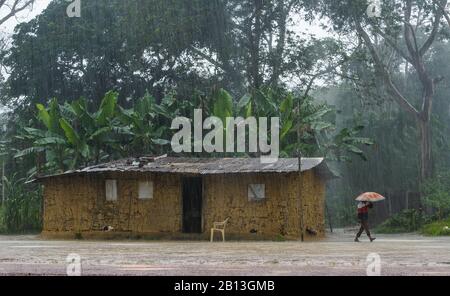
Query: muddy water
[338, 255]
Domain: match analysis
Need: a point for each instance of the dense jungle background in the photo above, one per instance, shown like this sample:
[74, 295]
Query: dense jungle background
[369, 93]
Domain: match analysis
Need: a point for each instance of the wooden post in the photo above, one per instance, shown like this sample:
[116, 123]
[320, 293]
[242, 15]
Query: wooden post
[300, 198]
[3, 182]
[329, 217]
[390, 206]
[300, 177]
[407, 200]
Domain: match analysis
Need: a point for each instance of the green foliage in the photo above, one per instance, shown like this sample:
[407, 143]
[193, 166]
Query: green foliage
[146, 126]
[347, 140]
[154, 55]
[223, 105]
[21, 211]
[2, 220]
[319, 135]
[244, 105]
[280, 238]
[405, 221]
[316, 137]
[74, 136]
[438, 228]
[436, 194]
[108, 48]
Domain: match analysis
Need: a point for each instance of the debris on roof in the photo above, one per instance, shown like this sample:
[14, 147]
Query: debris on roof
[200, 166]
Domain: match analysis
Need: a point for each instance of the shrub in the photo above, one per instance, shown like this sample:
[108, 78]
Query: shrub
[436, 194]
[22, 207]
[405, 221]
[438, 228]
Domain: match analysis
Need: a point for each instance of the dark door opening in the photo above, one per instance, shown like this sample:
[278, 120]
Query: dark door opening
[192, 205]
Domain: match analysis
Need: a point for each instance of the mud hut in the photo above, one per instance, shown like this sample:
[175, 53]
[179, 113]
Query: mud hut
[175, 198]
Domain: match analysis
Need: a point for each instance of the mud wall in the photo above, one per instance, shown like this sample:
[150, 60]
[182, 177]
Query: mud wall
[276, 216]
[78, 205]
[313, 193]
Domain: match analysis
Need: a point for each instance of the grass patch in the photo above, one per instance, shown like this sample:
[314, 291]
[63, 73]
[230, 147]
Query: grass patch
[437, 228]
[280, 238]
[388, 229]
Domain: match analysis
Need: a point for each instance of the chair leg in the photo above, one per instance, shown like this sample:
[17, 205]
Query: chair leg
[212, 234]
[223, 235]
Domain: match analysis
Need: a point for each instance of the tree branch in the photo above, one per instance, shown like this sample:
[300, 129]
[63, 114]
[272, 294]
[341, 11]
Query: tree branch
[426, 46]
[16, 7]
[397, 96]
[444, 12]
[409, 35]
[206, 57]
[393, 44]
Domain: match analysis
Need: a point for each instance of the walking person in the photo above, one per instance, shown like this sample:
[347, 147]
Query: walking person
[363, 218]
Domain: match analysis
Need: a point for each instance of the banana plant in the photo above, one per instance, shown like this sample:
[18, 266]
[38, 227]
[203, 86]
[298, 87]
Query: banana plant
[223, 105]
[49, 140]
[143, 122]
[320, 137]
[317, 131]
[261, 103]
[74, 136]
[348, 142]
[93, 136]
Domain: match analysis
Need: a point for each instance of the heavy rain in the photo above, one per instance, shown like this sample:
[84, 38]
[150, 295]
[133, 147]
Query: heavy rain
[224, 137]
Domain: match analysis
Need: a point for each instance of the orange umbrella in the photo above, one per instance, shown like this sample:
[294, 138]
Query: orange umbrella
[370, 196]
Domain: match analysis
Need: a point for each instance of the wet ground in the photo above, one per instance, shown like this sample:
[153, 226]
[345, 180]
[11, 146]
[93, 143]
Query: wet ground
[338, 255]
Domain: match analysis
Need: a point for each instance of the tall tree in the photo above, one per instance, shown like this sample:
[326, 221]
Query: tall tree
[265, 38]
[157, 46]
[408, 29]
[116, 45]
[9, 8]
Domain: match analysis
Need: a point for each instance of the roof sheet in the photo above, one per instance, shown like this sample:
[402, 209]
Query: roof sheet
[199, 166]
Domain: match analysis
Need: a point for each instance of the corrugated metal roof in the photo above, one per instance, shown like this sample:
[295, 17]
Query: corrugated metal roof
[199, 166]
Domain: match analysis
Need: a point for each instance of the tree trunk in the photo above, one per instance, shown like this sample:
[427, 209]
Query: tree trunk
[426, 160]
[255, 33]
[414, 56]
[278, 54]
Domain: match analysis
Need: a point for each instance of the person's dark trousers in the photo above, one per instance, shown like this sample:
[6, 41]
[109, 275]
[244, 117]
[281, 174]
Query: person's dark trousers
[364, 226]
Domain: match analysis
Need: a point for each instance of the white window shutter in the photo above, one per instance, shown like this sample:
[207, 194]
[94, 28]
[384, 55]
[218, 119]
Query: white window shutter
[256, 192]
[111, 190]
[145, 190]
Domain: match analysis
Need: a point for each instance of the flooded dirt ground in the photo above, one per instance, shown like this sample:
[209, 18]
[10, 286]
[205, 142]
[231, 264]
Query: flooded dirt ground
[337, 255]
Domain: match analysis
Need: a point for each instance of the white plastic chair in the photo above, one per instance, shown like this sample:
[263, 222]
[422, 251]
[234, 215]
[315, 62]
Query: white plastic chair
[219, 226]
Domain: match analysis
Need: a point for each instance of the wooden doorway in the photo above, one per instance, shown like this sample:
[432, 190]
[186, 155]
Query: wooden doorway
[192, 204]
